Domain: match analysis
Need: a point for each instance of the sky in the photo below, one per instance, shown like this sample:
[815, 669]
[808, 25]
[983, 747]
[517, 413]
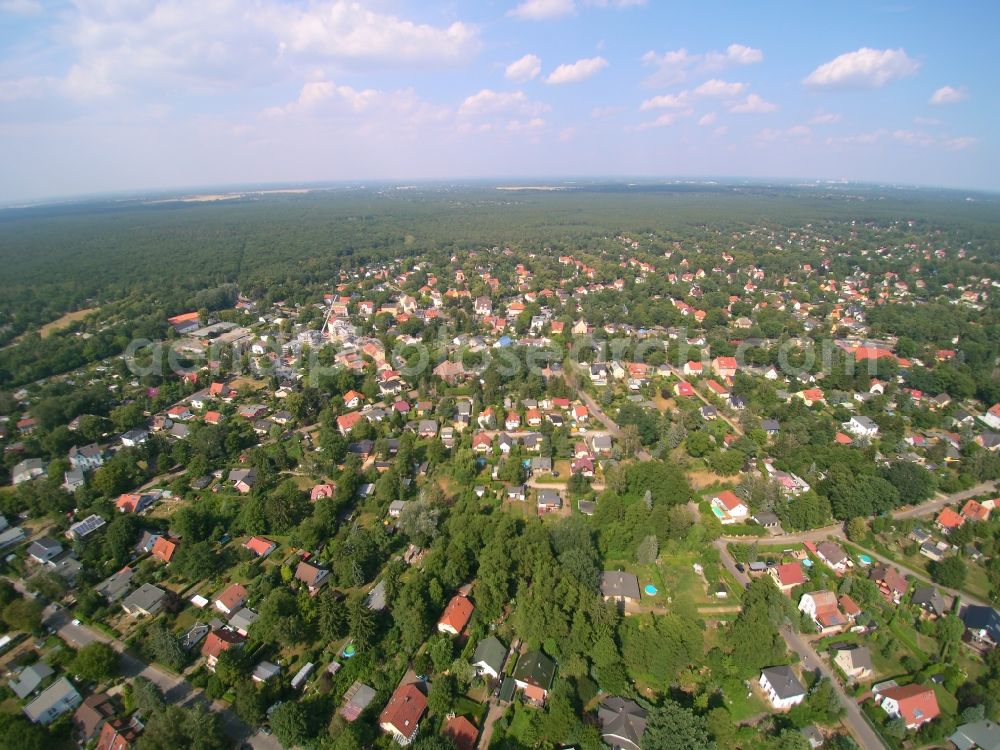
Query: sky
[118, 95]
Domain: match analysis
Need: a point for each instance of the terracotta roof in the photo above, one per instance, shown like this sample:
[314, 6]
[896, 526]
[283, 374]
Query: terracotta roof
[457, 613]
[949, 519]
[729, 499]
[164, 549]
[259, 545]
[917, 704]
[233, 596]
[404, 709]
[462, 732]
[219, 641]
[975, 511]
[790, 574]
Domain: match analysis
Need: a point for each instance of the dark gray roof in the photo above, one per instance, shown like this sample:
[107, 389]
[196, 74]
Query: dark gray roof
[784, 681]
[30, 678]
[982, 618]
[535, 668]
[622, 722]
[619, 583]
[861, 657]
[930, 598]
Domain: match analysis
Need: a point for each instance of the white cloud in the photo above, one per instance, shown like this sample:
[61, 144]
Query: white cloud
[30, 87]
[21, 7]
[675, 66]
[826, 118]
[707, 119]
[864, 68]
[325, 99]
[524, 69]
[720, 89]
[615, 3]
[346, 30]
[489, 102]
[599, 113]
[797, 133]
[206, 46]
[912, 138]
[918, 120]
[962, 142]
[753, 104]
[667, 101]
[543, 10]
[949, 95]
[576, 72]
[664, 120]
[740, 54]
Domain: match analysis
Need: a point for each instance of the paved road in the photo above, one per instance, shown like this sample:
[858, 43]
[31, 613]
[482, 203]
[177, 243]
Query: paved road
[725, 418]
[855, 721]
[595, 411]
[176, 690]
[937, 503]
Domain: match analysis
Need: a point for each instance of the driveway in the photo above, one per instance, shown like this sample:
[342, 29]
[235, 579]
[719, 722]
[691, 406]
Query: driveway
[811, 660]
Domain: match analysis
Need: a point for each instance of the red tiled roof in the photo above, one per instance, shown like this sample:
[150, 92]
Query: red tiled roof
[164, 549]
[457, 613]
[258, 545]
[974, 511]
[233, 596]
[462, 732]
[729, 499]
[949, 519]
[917, 704]
[790, 574]
[404, 709]
[219, 641]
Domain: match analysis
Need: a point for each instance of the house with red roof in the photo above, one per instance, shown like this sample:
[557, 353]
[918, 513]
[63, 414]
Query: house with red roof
[788, 575]
[692, 368]
[842, 439]
[164, 549]
[117, 735]
[212, 417]
[461, 732]
[259, 546]
[320, 491]
[975, 512]
[915, 704]
[218, 641]
[581, 413]
[823, 609]
[482, 443]
[948, 520]
[683, 389]
[401, 715]
[133, 503]
[992, 416]
[729, 508]
[512, 421]
[724, 367]
[231, 599]
[717, 389]
[456, 615]
[346, 422]
[811, 396]
[353, 399]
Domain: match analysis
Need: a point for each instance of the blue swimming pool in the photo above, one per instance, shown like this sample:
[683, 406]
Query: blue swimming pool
[650, 590]
[865, 559]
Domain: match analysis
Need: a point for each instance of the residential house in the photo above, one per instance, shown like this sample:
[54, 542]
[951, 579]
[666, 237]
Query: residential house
[242, 619]
[915, 704]
[724, 367]
[833, 556]
[461, 732]
[217, 642]
[87, 458]
[982, 625]
[787, 576]
[164, 549]
[82, 529]
[401, 715]
[782, 688]
[232, 598]
[619, 586]
[26, 470]
[489, 657]
[855, 661]
[134, 503]
[30, 679]
[456, 615]
[54, 701]
[117, 735]
[533, 675]
[357, 698]
[977, 735]
[823, 609]
[312, 576]
[243, 480]
[549, 500]
[975, 512]
[44, 549]
[929, 599]
[623, 722]
[948, 520]
[891, 583]
[95, 710]
[729, 508]
[115, 586]
[259, 546]
[860, 426]
[147, 600]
